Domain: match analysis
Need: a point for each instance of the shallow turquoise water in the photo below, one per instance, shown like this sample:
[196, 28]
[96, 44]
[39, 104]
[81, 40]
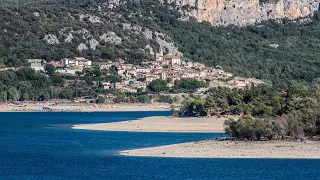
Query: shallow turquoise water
[42, 146]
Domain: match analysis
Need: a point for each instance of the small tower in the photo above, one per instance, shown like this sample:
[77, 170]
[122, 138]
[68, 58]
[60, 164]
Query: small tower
[159, 56]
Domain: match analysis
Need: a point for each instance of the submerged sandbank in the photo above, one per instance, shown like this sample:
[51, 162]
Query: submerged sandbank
[233, 149]
[161, 124]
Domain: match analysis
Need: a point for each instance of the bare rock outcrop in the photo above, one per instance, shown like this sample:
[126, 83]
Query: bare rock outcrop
[244, 12]
[162, 39]
[82, 47]
[111, 37]
[89, 17]
[69, 38]
[93, 43]
[51, 39]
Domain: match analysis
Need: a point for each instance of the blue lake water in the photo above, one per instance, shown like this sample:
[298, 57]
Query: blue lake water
[42, 146]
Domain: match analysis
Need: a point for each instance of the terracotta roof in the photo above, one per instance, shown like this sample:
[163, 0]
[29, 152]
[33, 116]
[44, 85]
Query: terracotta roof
[56, 65]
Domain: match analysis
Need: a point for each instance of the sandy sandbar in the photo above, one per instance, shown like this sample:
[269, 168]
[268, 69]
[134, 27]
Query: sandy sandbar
[161, 124]
[233, 149]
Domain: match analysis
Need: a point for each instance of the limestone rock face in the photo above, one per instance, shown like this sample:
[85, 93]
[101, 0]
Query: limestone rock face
[82, 47]
[162, 39]
[111, 37]
[93, 43]
[51, 39]
[69, 38]
[244, 12]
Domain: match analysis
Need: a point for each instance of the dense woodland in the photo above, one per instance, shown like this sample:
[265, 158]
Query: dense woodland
[280, 52]
[264, 112]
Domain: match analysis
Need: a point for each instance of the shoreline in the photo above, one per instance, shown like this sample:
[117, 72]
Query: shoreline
[160, 124]
[232, 149]
[80, 107]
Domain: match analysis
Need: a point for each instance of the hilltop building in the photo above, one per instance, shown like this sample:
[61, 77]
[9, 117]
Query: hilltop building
[174, 60]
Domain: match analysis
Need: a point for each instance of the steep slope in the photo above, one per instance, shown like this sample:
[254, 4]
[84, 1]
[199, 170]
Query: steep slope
[56, 30]
[244, 12]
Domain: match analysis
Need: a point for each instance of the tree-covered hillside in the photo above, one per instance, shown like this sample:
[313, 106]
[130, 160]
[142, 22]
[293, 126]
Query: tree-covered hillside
[280, 51]
[277, 52]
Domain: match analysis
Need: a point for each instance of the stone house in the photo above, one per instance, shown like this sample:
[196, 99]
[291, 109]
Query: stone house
[174, 60]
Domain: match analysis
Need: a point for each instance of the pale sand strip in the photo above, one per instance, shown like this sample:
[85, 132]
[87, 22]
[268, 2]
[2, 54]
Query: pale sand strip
[82, 107]
[160, 124]
[233, 149]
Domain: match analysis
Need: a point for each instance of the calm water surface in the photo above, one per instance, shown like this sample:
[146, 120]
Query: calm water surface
[42, 146]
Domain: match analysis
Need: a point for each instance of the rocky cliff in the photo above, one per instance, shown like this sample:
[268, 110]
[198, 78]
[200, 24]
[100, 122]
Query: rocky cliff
[243, 12]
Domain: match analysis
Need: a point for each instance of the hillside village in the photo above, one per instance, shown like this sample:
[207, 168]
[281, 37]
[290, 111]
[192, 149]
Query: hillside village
[166, 67]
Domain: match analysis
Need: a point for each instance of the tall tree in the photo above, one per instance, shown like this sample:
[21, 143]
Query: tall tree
[49, 69]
